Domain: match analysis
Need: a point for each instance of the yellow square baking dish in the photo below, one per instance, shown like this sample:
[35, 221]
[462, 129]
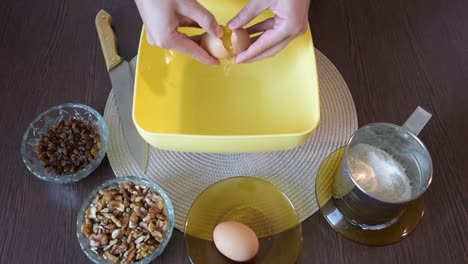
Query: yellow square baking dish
[183, 105]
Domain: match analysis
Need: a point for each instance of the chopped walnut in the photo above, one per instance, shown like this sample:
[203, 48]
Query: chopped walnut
[125, 223]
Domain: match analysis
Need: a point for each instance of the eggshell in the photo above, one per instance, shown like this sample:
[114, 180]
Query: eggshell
[240, 41]
[236, 241]
[214, 46]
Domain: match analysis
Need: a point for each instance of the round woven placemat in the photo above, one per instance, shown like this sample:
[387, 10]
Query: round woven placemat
[185, 175]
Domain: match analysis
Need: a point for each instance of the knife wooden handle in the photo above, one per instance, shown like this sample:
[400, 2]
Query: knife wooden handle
[107, 39]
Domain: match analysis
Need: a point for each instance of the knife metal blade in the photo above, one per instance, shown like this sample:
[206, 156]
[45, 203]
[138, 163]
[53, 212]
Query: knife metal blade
[122, 84]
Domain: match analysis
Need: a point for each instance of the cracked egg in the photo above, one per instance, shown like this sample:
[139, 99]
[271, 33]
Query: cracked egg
[229, 45]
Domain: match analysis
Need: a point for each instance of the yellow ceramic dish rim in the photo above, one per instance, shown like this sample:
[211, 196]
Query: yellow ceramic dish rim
[310, 130]
[226, 142]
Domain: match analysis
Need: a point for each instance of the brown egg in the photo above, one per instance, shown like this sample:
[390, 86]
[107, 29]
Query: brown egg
[229, 45]
[236, 241]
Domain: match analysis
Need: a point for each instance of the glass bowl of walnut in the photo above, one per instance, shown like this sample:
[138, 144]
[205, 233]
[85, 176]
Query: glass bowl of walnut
[125, 220]
[65, 143]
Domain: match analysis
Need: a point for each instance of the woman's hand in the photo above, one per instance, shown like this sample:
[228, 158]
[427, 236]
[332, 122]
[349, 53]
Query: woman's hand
[291, 21]
[162, 18]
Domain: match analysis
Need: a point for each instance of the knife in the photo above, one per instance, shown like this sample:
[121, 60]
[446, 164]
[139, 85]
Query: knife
[122, 85]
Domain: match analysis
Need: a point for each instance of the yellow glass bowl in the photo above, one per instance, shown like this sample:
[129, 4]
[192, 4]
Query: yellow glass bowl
[181, 104]
[253, 202]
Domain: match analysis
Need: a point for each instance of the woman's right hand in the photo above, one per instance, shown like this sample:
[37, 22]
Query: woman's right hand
[290, 21]
[162, 18]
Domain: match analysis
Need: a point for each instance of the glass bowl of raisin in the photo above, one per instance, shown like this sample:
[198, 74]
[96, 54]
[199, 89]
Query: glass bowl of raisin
[65, 143]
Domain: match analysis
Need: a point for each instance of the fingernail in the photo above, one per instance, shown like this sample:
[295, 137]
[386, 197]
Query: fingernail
[237, 60]
[231, 25]
[219, 32]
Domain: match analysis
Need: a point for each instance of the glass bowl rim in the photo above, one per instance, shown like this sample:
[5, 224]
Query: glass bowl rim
[81, 213]
[296, 213]
[82, 173]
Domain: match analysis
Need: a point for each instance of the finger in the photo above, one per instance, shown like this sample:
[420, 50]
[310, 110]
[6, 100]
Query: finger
[271, 52]
[150, 38]
[265, 42]
[255, 38]
[248, 13]
[202, 16]
[262, 26]
[196, 38]
[183, 44]
[187, 22]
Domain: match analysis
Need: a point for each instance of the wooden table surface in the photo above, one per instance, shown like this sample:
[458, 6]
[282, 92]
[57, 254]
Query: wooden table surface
[394, 55]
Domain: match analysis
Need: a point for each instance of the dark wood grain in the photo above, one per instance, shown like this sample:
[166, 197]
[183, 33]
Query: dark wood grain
[394, 55]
